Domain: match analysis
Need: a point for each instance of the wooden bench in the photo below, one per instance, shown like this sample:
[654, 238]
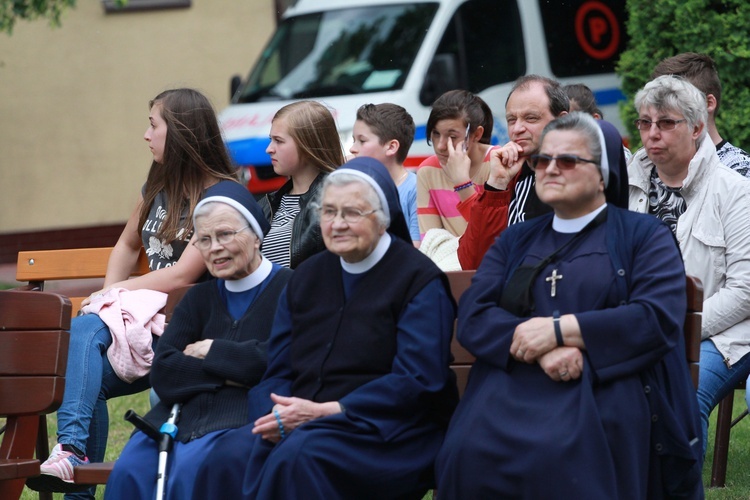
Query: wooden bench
[40, 267]
[33, 356]
[462, 359]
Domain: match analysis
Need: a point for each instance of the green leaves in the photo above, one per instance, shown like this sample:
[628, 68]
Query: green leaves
[719, 28]
[13, 10]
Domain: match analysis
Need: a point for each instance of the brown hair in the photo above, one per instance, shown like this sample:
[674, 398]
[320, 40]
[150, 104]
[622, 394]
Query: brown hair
[389, 122]
[583, 98]
[558, 99]
[194, 156]
[698, 69]
[313, 130]
[461, 105]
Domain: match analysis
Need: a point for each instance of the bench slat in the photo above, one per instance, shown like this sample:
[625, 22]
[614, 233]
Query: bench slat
[42, 352]
[95, 473]
[30, 395]
[77, 263]
[46, 311]
[12, 468]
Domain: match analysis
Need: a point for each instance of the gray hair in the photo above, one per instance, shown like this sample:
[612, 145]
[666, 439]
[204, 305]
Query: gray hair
[579, 122]
[674, 93]
[344, 179]
[209, 206]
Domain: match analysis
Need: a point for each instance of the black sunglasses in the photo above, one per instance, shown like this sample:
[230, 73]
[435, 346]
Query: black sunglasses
[563, 162]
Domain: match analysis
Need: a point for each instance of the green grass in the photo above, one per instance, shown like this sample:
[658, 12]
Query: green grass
[119, 433]
[738, 469]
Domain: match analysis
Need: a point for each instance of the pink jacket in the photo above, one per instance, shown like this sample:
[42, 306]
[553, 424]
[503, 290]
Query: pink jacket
[132, 317]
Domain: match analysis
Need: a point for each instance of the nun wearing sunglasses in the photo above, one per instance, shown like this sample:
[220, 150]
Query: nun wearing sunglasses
[580, 387]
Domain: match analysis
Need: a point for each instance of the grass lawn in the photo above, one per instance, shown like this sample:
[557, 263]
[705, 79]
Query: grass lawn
[738, 473]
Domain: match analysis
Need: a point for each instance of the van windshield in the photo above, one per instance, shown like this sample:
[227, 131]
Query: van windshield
[339, 52]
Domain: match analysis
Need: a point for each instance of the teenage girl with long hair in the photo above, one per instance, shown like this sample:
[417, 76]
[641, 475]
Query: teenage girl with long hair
[189, 156]
[304, 147]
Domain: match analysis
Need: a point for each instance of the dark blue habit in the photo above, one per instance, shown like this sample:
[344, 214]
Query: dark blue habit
[382, 349]
[628, 428]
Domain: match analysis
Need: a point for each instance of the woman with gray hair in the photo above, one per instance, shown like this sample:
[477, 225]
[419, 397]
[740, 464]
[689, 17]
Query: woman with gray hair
[358, 391]
[678, 177]
[214, 348]
[575, 320]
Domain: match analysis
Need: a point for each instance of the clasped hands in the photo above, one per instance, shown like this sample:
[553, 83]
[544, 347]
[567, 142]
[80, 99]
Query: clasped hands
[290, 413]
[534, 342]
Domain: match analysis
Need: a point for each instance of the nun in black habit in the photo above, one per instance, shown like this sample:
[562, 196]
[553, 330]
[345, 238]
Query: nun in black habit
[358, 392]
[580, 388]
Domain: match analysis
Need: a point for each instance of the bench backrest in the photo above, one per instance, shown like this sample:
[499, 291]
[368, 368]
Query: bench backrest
[39, 266]
[33, 357]
[462, 359]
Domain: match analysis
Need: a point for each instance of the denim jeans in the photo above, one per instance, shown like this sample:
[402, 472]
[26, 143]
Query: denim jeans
[715, 381]
[83, 419]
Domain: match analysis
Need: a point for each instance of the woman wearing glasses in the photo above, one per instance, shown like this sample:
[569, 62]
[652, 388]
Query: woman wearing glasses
[580, 387]
[214, 348]
[678, 177]
[188, 156]
[358, 391]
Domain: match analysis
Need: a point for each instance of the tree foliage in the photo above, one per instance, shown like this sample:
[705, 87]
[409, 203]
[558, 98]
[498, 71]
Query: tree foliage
[664, 28]
[13, 10]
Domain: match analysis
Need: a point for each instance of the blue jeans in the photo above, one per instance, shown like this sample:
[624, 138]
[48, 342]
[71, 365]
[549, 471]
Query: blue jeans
[83, 419]
[715, 381]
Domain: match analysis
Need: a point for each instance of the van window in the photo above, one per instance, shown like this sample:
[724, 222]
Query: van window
[583, 37]
[339, 52]
[486, 38]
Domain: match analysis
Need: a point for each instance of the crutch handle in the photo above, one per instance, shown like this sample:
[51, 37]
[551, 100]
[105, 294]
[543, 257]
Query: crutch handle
[143, 425]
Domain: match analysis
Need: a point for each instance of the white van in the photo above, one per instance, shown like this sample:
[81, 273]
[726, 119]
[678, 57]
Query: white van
[345, 53]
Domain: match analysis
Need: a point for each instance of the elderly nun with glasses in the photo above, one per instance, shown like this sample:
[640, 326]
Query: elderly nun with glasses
[580, 387]
[358, 391]
[678, 177]
[214, 348]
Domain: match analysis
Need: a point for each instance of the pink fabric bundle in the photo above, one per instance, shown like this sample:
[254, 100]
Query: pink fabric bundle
[132, 317]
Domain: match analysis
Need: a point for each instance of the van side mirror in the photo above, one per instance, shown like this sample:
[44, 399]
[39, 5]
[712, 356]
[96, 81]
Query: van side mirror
[441, 77]
[234, 85]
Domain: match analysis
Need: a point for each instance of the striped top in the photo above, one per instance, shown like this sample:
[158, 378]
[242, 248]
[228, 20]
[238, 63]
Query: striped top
[438, 205]
[277, 243]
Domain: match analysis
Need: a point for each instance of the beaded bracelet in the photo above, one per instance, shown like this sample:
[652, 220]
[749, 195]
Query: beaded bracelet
[459, 187]
[278, 421]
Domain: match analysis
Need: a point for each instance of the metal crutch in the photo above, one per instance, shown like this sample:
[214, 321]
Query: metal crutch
[164, 437]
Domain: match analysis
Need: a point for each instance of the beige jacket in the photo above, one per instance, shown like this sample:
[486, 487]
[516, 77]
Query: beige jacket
[714, 237]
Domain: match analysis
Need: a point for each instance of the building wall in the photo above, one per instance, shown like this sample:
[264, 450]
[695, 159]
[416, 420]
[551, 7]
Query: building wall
[74, 101]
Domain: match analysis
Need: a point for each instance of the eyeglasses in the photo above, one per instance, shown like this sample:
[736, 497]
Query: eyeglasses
[349, 214]
[223, 238]
[563, 162]
[663, 124]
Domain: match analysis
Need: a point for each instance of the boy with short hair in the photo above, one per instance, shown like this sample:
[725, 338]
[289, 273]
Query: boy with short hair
[385, 132]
